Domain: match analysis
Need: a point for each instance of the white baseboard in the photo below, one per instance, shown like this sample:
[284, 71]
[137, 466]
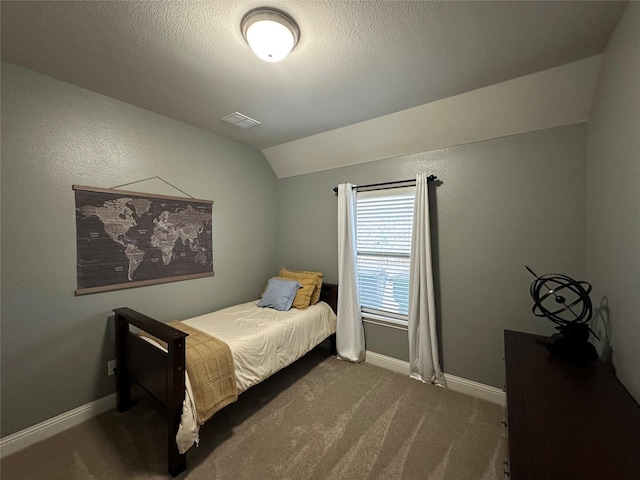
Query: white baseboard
[462, 385]
[24, 438]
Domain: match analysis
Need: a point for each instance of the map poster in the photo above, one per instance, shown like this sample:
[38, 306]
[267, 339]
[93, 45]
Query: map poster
[129, 239]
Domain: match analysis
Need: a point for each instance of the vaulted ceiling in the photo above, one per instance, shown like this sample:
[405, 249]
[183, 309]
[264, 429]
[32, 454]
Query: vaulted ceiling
[356, 60]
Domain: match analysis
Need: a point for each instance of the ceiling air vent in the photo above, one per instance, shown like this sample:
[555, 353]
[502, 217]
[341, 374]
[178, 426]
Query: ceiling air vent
[240, 120]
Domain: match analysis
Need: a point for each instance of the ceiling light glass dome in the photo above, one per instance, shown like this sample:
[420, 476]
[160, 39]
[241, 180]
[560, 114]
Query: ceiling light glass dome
[270, 33]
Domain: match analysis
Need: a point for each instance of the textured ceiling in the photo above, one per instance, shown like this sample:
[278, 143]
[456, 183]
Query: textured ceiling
[356, 60]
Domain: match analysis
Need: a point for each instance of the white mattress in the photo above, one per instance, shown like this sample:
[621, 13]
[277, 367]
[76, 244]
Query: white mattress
[262, 342]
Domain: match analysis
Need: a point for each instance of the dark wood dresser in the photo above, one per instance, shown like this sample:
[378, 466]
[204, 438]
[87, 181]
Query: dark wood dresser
[567, 421]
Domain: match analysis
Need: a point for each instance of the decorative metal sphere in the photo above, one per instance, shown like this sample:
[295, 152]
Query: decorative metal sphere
[561, 299]
[565, 302]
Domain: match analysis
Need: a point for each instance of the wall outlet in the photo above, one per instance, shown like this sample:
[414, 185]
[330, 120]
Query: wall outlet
[111, 367]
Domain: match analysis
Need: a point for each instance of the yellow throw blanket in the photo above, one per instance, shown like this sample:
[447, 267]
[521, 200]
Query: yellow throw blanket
[210, 369]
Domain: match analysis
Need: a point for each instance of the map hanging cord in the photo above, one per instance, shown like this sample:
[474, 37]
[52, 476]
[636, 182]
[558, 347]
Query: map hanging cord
[151, 178]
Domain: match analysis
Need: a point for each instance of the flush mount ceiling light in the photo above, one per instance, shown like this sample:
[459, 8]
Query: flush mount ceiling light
[270, 33]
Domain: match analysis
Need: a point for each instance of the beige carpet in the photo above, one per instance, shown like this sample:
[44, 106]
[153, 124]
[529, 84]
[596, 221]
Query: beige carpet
[318, 419]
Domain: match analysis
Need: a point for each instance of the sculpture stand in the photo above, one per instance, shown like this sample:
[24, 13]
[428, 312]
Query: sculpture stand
[572, 344]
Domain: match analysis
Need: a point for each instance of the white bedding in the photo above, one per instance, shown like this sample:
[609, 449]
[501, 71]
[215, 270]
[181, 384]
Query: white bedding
[262, 342]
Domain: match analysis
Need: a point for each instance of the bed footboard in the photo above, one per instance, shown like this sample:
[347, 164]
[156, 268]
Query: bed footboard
[161, 374]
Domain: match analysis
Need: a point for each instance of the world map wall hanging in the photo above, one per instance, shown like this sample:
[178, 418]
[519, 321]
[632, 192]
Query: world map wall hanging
[130, 239]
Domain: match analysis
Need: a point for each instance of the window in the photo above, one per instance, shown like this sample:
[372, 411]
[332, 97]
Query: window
[384, 221]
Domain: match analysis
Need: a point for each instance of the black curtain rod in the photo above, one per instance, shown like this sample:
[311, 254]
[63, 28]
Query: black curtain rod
[387, 185]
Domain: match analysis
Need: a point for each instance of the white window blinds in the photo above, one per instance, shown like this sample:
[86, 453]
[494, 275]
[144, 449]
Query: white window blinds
[384, 220]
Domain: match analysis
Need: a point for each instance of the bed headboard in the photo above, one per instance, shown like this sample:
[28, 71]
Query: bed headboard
[329, 294]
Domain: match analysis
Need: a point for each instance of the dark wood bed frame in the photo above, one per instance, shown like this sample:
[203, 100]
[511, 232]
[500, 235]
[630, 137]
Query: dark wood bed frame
[161, 374]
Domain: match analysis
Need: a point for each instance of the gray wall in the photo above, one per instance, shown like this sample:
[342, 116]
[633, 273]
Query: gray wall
[54, 345]
[502, 204]
[613, 198]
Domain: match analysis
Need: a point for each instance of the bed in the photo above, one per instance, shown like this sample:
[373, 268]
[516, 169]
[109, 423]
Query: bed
[151, 354]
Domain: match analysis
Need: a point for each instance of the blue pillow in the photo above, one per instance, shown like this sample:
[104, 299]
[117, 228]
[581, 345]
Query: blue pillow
[279, 294]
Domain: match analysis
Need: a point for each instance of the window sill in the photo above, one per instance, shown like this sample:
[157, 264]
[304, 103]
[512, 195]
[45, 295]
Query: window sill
[385, 321]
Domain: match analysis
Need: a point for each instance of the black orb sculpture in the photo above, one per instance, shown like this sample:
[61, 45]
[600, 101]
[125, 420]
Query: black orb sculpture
[566, 303]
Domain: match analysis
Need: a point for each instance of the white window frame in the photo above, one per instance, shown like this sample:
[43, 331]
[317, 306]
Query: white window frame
[385, 313]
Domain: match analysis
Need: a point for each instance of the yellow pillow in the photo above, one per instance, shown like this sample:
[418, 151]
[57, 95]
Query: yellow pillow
[302, 275]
